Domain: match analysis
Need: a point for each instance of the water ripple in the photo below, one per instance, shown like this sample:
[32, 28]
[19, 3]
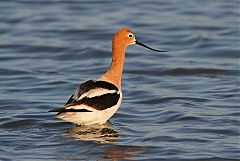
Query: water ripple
[178, 105]
[184, 72]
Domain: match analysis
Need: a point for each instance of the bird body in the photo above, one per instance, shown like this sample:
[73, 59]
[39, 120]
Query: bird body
[95, 101]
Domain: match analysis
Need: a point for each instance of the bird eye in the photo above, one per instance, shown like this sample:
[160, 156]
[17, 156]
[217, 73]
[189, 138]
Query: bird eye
[130, 35]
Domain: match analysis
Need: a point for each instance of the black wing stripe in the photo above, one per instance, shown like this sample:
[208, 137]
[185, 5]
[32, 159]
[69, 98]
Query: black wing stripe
[84, 87]
[62, 110]
[106, 85]
[99, 102]
[75, 110]
[89, 85]
[70, 100]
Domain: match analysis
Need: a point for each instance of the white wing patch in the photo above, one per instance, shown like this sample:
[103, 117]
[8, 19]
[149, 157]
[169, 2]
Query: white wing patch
[81, 107]
[96, 92]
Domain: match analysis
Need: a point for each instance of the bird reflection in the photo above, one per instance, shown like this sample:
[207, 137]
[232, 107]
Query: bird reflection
[106, 134]
[99, 133]
[123, 152]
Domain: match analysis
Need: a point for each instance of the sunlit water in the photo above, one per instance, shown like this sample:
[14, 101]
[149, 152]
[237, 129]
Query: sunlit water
[183, 104]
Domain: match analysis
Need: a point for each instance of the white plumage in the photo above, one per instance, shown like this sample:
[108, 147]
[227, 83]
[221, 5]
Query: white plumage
[96, 92]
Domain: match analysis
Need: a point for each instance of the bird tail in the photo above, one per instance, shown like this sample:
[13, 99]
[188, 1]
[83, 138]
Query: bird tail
[58, 110]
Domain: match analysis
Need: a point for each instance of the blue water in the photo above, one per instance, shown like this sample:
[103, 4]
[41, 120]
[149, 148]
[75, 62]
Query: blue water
[179, 105]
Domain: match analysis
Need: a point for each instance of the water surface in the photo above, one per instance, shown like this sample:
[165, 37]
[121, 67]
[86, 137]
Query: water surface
[180, 105]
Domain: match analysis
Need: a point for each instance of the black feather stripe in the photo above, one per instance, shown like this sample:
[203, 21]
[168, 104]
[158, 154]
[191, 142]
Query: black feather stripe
[62, 110]
[83, 88]
[70, 100]
[105, 85]
[99, 102]
[57, 110]
[90, 85]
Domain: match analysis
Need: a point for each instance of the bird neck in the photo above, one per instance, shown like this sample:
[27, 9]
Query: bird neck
[114, 74]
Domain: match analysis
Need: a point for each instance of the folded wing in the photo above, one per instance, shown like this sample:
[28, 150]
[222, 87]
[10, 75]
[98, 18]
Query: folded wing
[92, 95]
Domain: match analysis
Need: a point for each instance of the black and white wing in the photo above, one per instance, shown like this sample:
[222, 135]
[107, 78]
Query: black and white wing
[96, 95]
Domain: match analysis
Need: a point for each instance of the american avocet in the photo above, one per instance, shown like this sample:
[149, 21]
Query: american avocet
[95, 101]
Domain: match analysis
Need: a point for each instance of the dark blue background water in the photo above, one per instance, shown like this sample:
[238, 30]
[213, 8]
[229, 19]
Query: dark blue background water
[183, 104]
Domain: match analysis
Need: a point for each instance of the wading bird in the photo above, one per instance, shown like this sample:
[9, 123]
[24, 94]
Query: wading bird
[95, 101]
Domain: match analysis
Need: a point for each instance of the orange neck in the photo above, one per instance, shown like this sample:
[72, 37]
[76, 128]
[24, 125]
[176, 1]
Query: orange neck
[114, 74]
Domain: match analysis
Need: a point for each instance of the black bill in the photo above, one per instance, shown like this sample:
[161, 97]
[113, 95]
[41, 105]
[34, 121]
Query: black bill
[143, 45]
